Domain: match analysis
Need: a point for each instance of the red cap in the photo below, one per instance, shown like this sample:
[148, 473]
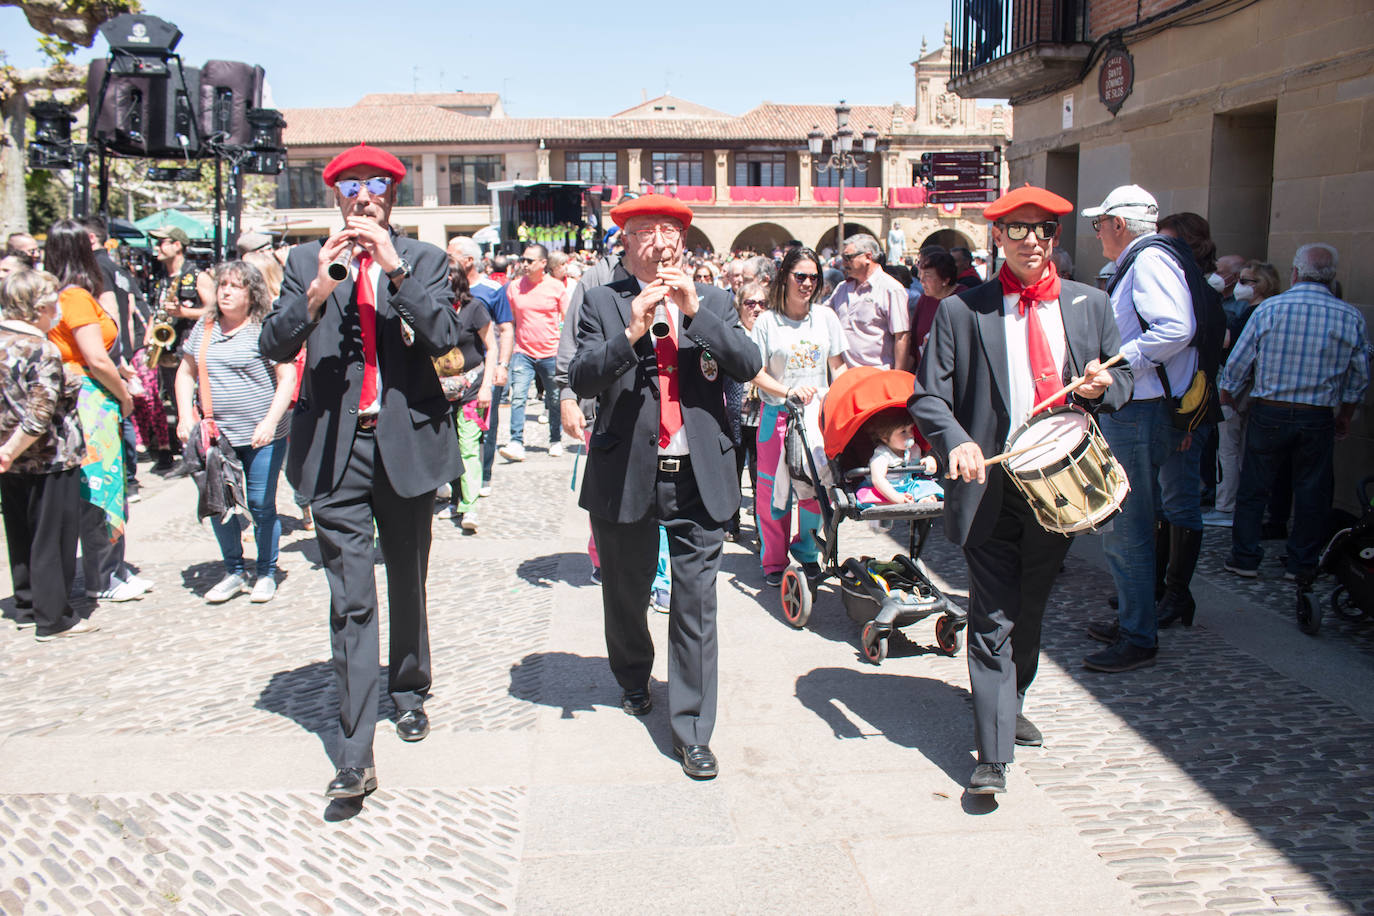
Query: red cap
[1027, 196]
[362, 154]
[652, 205]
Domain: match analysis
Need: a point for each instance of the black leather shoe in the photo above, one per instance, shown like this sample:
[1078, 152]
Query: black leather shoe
[413, 725]
[1121, 656]
[350, 782]
[636, 702]
[1107, 631]
[697, 761]
[988, 779]
[1027, 735]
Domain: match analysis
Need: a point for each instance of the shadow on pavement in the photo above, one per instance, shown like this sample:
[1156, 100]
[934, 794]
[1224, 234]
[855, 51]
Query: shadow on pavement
[901, 707]
[306, 696]
[542, 572]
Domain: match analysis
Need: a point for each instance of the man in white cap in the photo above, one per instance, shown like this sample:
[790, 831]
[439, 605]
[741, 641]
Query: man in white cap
[1151, 298]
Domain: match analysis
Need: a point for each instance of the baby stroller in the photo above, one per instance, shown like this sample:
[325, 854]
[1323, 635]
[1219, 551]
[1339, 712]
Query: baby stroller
[1349, 556]
[879, 596]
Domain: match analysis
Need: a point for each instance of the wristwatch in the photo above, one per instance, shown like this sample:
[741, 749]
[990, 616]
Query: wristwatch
[402, 270]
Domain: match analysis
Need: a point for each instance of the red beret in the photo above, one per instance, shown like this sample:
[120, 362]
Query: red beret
[652, 205]
[1027, 196]
[362, 154]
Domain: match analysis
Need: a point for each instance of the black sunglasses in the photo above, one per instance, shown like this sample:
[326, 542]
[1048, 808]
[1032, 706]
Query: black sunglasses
[1044, 231]
[529, 260]
[805, 278]
[349, 187]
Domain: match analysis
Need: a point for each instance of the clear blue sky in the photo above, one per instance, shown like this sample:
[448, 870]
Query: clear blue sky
[552, 63]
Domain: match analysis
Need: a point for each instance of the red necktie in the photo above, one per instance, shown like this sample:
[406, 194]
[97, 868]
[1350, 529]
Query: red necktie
[669, 397]
[1045, 375]
[367, 319]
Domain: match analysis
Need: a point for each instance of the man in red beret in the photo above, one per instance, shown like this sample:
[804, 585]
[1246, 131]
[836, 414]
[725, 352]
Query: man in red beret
[372, 438]
[994, 352]
[654, 349]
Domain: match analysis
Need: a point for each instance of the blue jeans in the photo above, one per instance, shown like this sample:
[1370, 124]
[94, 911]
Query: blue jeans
[1164, 482]
[262, 468]
[1273, 435]
[523, 369]
[498, 392]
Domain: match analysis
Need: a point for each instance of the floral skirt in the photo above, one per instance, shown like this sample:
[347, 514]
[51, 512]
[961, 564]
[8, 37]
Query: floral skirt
[102, 471]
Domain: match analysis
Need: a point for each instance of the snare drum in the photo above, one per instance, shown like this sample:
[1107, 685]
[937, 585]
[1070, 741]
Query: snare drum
[1068, 474]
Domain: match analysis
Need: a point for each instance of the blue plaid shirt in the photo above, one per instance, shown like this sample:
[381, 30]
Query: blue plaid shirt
[1304, 346]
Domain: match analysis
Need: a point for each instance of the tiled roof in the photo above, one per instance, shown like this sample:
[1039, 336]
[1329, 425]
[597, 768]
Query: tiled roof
[375, 123]
[442, 99]
[669, 106]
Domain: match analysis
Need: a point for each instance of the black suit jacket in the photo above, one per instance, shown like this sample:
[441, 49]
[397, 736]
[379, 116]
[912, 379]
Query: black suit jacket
[962, 389]
[414, 429]
[623, 463]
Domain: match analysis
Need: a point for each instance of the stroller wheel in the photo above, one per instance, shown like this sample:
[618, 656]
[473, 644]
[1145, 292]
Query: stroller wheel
[949, 635]
[874, 646]
[1309, 612]
[1342, 606]
[796, 598]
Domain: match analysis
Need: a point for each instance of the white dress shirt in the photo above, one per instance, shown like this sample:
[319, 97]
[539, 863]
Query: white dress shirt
[1156, 289]
[1022, 385]
[677, 444]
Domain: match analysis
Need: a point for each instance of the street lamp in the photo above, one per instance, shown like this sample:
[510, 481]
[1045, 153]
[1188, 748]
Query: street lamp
[658, 185]
[842, 155]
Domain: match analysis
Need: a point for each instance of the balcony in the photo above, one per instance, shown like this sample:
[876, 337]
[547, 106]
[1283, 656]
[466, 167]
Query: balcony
[1010, 48]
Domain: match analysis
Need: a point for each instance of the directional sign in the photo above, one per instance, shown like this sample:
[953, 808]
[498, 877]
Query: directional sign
[964, 171]
[967, 184]
[969, 158]
[986, 195]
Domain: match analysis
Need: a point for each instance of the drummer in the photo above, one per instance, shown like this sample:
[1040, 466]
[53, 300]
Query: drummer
[994, 352]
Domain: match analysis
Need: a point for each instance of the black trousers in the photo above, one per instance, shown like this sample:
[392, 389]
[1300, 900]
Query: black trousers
[629, 557]
[344, 522]
[42, 515]
[1010, 575]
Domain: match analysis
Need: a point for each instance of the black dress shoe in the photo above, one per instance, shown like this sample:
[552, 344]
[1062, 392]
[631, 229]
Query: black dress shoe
[350, 782]
[1121, 656]
[636, 702]
[413, 725]
[1027, 735]
[697, 761]
[988, 779]
[1107, 631]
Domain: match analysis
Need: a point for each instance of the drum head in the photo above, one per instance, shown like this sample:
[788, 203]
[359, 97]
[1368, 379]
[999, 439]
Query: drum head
[1051, 438]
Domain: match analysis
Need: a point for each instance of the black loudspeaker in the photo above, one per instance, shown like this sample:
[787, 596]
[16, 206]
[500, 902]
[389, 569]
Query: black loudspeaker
[146, 116]
[228, 89]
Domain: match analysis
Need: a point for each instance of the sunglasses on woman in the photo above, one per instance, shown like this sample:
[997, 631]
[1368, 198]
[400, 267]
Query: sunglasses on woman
[755, 303]
[805, 278]
[1044, 231]
[349, 187]
[702, 278]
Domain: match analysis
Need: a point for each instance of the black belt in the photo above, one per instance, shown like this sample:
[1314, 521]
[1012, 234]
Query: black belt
[1290, 405]
[367, 421]
[673, 464]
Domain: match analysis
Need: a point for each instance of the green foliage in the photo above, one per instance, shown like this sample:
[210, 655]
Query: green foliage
[48, 199]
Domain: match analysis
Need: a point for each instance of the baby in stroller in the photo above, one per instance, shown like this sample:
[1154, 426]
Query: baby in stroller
[894, 439]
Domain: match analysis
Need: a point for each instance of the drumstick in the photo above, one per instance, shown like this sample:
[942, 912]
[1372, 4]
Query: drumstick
[1073, 385]
[998, 459]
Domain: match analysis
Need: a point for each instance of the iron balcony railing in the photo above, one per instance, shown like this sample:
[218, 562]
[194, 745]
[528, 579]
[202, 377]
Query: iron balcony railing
[985, 30]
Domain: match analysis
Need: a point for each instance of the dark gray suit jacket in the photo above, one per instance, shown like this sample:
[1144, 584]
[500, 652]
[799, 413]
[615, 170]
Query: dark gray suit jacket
[962, 393]
[414, 429]
[623, 463]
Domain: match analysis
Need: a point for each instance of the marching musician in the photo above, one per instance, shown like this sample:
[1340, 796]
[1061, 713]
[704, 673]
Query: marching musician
[654, 348]
[180, 296]
[994, 352]
[372, 438]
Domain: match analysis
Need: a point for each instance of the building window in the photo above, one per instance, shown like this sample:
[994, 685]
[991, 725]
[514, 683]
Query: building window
[761, 170]
[301, 184]
[468, 178]
[853, 178]
[405, 191]
[593, 168]
[684, 168]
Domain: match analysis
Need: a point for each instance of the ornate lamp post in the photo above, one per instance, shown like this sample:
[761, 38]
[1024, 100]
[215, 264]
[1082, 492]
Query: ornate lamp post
[842, 156]
[658, 185]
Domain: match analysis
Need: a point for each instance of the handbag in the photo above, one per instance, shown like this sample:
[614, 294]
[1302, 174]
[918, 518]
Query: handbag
[214, 465]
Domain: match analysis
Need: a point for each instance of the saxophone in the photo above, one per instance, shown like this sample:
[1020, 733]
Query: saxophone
[163, 335]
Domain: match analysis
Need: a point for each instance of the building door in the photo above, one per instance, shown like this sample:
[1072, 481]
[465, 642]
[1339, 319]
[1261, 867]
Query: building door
[1241, 191]
[1061, 177]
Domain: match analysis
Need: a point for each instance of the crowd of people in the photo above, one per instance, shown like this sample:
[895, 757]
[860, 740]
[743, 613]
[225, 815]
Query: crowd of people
[1219, 392]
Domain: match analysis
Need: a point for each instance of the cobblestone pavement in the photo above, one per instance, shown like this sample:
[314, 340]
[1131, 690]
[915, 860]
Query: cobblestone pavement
[1213, 782]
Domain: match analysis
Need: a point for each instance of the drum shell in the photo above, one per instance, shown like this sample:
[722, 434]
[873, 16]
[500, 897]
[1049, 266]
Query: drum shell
[1079, 492]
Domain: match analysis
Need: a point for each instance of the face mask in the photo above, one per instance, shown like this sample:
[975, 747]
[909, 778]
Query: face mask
[1243, 292]
[1217, 282]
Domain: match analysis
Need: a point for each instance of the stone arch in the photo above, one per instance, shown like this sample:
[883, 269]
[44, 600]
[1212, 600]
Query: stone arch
[828, 238]
[762, 237]
[696, 239]
[948, 238]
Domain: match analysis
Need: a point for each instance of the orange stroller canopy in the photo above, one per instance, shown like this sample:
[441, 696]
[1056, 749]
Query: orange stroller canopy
[856, 396]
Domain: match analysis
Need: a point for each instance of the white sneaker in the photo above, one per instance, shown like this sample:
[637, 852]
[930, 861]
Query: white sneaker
[445, 492]
[80, 628]
[139, 582]
[1213, 518]
[484, 491]
[513, 451]
[444, 511]
[470, 520]
[119, 591]
[556, 450]
[263, 590]
[225, 589]
[542, 418]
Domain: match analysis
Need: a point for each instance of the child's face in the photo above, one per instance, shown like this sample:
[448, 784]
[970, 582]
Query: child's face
[47, 312]
[898, 438]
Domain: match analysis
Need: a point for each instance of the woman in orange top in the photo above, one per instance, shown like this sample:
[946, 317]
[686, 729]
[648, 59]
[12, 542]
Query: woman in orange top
[84, 335]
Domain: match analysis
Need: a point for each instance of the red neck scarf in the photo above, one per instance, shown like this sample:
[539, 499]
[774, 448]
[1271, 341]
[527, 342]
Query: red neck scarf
[1047, 287]
[1045, 375]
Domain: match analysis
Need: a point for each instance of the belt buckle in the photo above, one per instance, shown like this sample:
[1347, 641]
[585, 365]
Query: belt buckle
[368, 421]
[670, 465]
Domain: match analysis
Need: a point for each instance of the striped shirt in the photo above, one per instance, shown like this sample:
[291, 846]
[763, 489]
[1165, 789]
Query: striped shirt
[242, 380]
[1304, 346]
